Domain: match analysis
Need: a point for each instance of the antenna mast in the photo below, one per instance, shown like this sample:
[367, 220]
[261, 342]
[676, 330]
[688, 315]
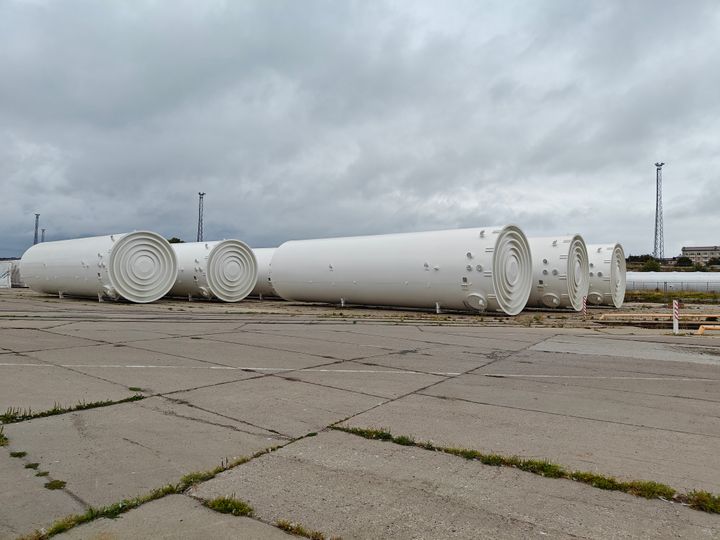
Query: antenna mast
[37, 223]
[200, 217]
[659, 250]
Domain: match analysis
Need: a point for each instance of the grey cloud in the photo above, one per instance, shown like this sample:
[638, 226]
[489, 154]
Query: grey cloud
[307, 119]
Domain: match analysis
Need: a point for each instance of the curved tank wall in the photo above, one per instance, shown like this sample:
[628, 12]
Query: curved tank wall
[560, 272]
[225, 269]
[479, 268]
[607, 275]
[263, 286]
[674, 281]
[139, 267]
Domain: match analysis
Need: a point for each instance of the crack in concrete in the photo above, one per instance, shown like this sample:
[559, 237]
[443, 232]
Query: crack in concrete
[192, 405]
[579, 417]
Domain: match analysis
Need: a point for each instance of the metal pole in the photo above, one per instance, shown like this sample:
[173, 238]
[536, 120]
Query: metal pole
[42, 235]
[37, 222]
[659, 248]
[200, 234]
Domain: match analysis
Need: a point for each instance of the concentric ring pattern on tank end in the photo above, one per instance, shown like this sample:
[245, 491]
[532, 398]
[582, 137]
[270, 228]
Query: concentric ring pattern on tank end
[139, 267]
[608, 274]
[226, 270]
[560, 272]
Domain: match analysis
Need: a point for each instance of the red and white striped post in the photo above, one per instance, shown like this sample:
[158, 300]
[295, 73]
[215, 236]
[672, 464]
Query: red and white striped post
[584, 307]
[676, 317]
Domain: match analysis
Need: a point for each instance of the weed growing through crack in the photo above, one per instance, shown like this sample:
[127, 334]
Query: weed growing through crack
[3, 439]
[114, 510]
[55, 484]
[32, 465]
[299, 530]
[15, 414]
[702, 500]
[699, 500]
[18, 454]
[230, 505]
[135, 389]
[42, 473]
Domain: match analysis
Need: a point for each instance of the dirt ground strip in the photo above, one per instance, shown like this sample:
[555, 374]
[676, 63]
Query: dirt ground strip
[213, 384]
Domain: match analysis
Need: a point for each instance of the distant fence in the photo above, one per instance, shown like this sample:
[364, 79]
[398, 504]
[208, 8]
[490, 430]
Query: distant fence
[669, 286]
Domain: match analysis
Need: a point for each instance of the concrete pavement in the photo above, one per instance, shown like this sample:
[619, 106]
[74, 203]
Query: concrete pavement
[220, 382]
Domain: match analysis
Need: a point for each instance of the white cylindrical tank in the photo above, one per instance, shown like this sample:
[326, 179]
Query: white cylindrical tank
[264, 286]
[138, 266]
[674, 281]
[560, 272]
[607, 274]
[480, 268]
[224, 269]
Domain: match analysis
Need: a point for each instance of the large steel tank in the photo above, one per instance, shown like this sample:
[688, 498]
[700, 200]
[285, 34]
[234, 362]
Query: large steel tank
[138, 266]
[560, 272]
[225, 269]
[607, 274]
[263, 286]
[484, 268]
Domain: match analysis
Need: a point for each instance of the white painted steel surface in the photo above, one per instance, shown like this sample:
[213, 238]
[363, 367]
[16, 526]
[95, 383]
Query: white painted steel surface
[560, 272]
[139, 267]
[479, 268]
[607, 274]
[224, 269]
[264, 286]
[5, 274]
[674, 281]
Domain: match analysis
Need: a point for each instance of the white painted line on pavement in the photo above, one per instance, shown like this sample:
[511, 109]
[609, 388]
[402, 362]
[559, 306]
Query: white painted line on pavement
[232, 368]
[520, 375]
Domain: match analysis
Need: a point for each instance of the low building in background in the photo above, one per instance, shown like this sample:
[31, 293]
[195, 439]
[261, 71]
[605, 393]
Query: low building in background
[701, 254]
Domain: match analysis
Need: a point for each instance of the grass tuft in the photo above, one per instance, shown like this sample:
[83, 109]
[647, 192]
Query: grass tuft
[192, 479]
[230, 505]
[542, 468]
[18, 454]
[135, 389]
[648, 489]
[42, 473]
[404, 441]
[596, 480]
[699, 500]
[32, 465]
[3, 438]
[299, 530]
[55, 484]
[702, 500]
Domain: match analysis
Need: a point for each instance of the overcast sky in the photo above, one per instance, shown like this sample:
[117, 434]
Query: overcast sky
[304, 119]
